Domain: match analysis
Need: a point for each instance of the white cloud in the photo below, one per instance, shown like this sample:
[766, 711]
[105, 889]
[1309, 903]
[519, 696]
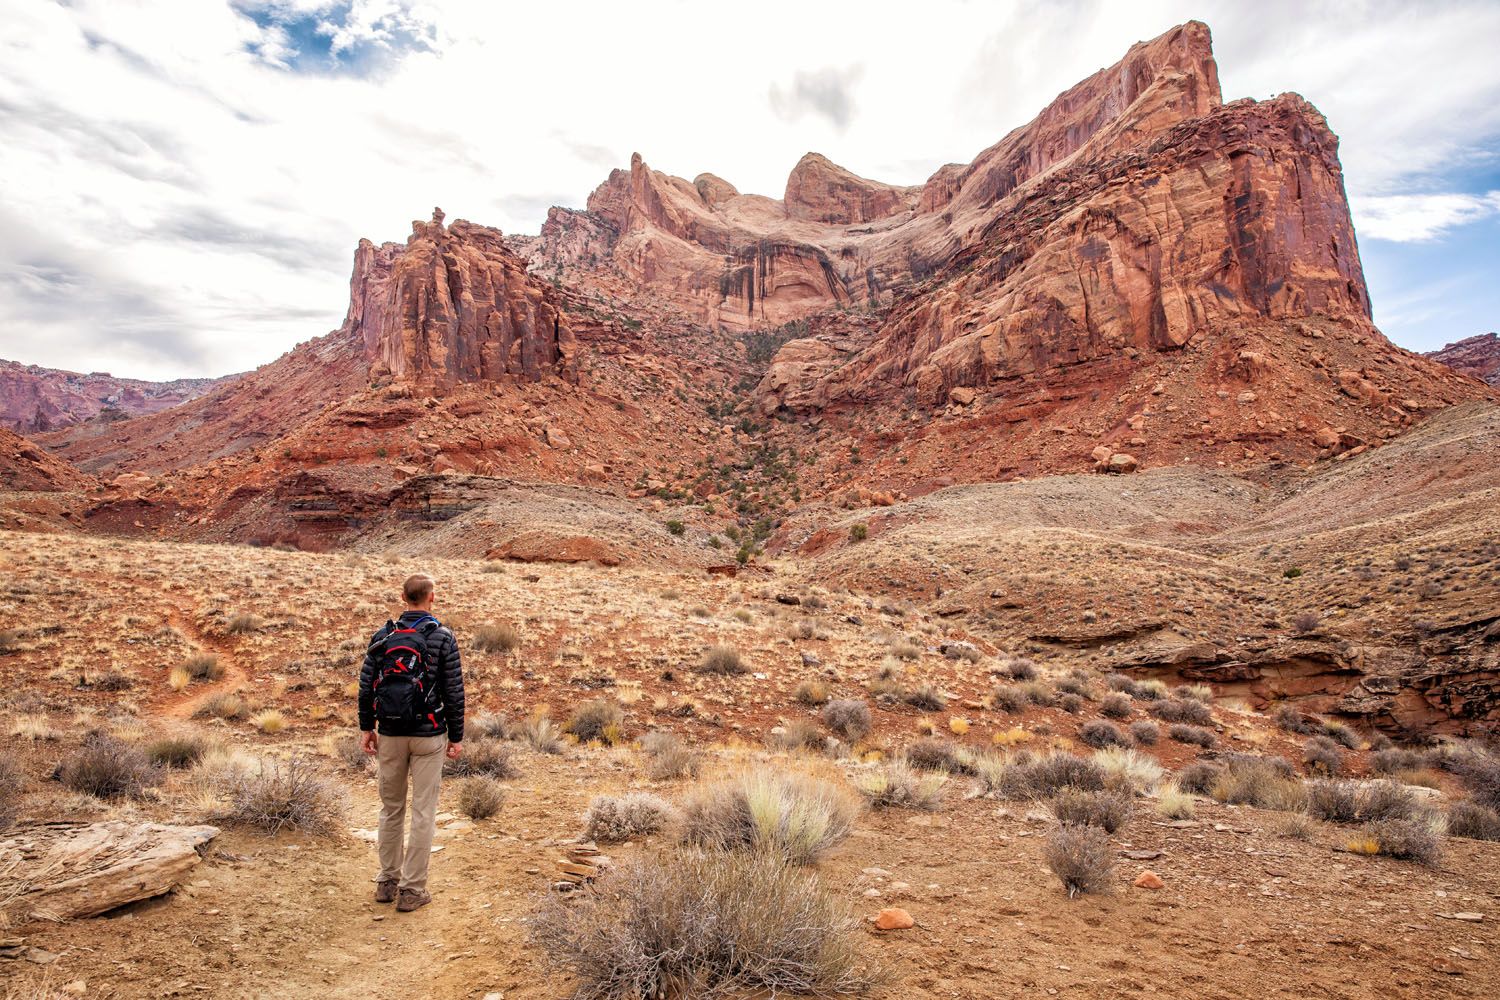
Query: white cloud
[1419, 218]
[209, 200]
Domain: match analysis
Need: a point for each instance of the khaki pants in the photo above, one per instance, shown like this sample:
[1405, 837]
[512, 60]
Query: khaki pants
[419, 758]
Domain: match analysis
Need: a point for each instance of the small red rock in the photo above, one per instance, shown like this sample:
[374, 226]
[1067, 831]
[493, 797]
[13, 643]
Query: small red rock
[894, 919]
[1148, 880]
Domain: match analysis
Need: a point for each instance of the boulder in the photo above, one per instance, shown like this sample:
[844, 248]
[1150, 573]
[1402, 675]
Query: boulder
[893, 919]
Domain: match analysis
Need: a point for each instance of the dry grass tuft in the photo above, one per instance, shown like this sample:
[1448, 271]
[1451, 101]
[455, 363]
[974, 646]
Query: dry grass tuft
[694, 923]
[541, 734]
[899, 785]
[204, 667]
[613, 818]
[1174, 804]
[1108, 809]
[269, 721]
[179, 752]
[812, 692]
[1473, 821]
[496, 638]
[670, 759]
[1138, 770]
[244, 624]
[848, 718]
[486, 757]
[1408, 840]
[721, 659]
[223, 705]
[795, 815]
[599, 719]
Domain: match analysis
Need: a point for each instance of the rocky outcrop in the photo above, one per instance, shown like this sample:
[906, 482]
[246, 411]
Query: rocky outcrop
[454, 305]
[1477, 356]
[35, 399]
[27, 467]
[819, 190]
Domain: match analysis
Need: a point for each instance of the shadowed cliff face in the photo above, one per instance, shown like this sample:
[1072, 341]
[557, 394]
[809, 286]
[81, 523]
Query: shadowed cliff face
[454, 305]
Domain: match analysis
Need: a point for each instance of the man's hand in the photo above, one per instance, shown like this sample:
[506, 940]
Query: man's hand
[454, 749]
[369, 742]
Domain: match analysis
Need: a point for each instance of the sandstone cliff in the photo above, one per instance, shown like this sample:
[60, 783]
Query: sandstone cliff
[35, 399]
[1477, 356]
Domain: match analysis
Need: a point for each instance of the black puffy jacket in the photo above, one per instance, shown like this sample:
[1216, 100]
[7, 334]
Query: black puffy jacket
[442, 652]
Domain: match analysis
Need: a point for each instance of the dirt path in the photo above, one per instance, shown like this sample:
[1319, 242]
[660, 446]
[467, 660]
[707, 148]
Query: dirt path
[186, 704]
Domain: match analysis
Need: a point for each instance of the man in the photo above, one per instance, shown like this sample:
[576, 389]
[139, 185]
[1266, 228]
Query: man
[412, 685]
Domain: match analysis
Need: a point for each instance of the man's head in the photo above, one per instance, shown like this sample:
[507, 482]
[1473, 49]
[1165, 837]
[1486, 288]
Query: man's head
[417, 592]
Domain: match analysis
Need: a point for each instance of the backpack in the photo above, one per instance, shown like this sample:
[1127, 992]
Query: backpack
[406, 677]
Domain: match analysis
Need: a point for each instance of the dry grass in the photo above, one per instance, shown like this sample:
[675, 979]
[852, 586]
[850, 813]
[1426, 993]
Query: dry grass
[1080, 857]
[480, 797]
[614, 818]
[791, 814]
[848, 718]
[811, 692]
[1108, 809]
[269, 721]
[1174, 804]
[223, 705]
[12, 781]
[899, 785]
[1026, 777]
[1141, 772]
[691, 923]
[204, 667]
[1473, 821]
[799, 734]
[1408, 840]
[927, 698]
[244, 624]
[541, 734]
[721, 659]
[484, 756]
[597, 720]
[179, 752]
[670, 759]
[496, 638]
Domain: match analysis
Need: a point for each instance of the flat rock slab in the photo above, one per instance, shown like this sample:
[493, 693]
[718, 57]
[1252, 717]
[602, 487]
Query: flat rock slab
[59, 871]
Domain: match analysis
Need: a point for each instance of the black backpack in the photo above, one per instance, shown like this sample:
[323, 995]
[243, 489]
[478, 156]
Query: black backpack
[406, 678]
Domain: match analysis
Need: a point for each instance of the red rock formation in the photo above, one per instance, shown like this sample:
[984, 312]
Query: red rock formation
[822, 191]
[1477, 356]
[454, 305]
[27, 467]
[35, 399]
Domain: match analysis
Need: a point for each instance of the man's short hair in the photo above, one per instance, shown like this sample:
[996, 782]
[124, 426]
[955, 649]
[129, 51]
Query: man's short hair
[417, 588]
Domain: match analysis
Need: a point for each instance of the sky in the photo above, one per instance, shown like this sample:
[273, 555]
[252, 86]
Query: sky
[184, 181]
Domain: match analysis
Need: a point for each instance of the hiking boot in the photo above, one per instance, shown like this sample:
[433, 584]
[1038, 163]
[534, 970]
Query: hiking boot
[385, 892]
[411, 899]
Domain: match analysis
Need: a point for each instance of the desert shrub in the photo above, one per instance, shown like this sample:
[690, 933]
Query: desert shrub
[1080, 857]
[1386, 800]
[111, 680]
[346, 749]
[11, 783]
[1115, 706]
[1332, 801]
[489, 725]
[721, 659]
[180, 752]
[1481, 775]
[926, 697]
[625, 817]
[290, 795]
[269, 721]
[1290, 720]
[811, 692]
[800, 734]
[1071, 703]
[1473, 821]
[1341, 734]
[1197, 692]
[676, 527]
[795, 815]
[1182, 710]
[1099, 733]
[903, 649]
[859, 532]
[1074, 686]
[223, 705]
[541, 734]
[1297, 825]
[1140, 771]
[1199, 777]
[1122, 683]
[107, 767]
[1322, 757]
[10, 641]
[670, 758]
[1408, 840]
[1149, 690]
[243, 624]
[1145, 732]
[1379, 741]
[204, 667]
[1027, 777]
[598, 719]
[1109, 809]
[1038, 693]
[939, 755]
[480, 797]
[496, 637]
[696, 923]
[1304, 622]
[899, 785]
[484, 756]
[1192, 735]
[848, 718]
[1009, 698]
[1394, 760]
[1173, 804]
[1019, 668]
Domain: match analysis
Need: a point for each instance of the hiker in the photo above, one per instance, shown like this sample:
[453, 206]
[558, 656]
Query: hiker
[412, 685]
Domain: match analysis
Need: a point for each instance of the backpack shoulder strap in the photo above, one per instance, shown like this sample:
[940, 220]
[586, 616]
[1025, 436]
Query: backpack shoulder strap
[381, 634]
